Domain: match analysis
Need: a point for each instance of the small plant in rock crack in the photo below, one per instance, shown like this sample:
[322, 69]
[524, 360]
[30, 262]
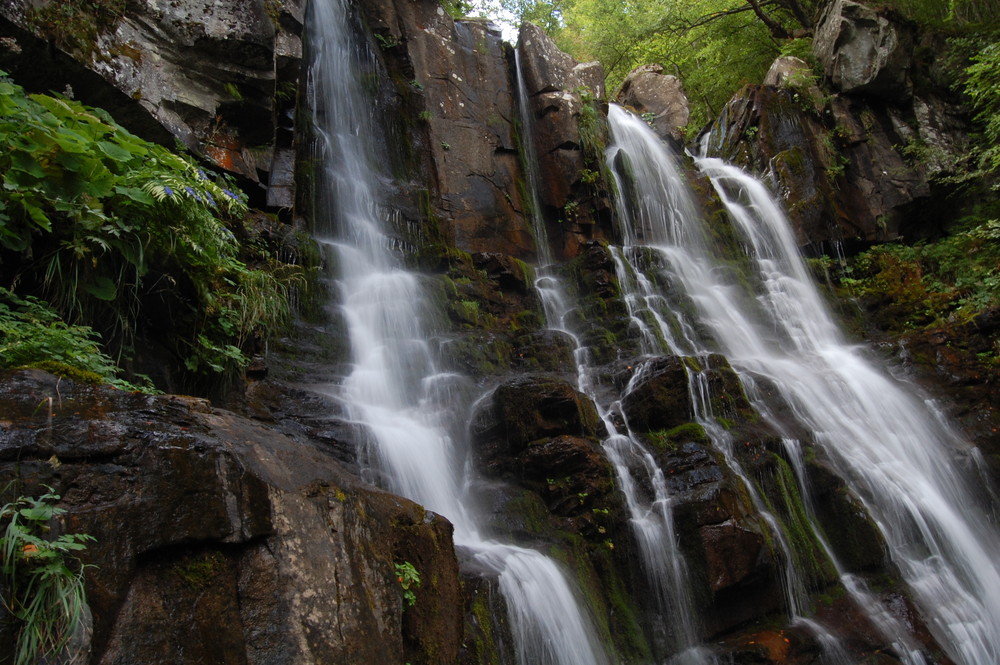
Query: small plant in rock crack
[409, 579]
[42, 582]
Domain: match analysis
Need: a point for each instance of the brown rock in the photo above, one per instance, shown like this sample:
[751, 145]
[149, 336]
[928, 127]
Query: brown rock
[648, 90]
[219, 540]
[732, 554]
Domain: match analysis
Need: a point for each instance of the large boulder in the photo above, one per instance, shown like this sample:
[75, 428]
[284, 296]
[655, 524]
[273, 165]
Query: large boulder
[864, 50]
[648, 90]
[218, 540]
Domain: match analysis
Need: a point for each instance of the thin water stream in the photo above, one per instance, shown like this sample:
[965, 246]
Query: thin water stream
[676, 630]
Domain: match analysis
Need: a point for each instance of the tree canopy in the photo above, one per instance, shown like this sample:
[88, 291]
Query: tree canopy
[713, 46]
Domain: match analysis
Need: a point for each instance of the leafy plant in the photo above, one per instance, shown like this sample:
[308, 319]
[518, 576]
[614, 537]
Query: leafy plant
[409, 579]
[951, 280]
[96, 221]
[32, 335]
[43, 581]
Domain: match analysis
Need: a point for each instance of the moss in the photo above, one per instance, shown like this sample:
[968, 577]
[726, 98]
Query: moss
[68, 372]
[781, 495]
[200, 570]
[666, 440]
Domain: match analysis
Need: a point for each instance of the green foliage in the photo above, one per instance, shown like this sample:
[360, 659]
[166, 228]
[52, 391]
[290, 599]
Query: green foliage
[33, 336]
[409, 579]
[457, 8]
[982, 84]
[951, 280]
[96, 218]
[950, 11]
[42, 580]
[714, 47]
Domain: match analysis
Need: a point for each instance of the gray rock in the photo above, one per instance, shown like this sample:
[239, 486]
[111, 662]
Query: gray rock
[648, 90]
[864, 50]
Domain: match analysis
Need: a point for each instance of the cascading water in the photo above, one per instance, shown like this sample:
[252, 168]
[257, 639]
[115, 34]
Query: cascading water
[894, 456]
[650, 516]
[890, 446]
[656, 213]
[393, 390]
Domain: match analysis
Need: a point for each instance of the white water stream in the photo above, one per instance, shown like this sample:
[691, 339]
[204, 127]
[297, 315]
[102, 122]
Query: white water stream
[650, 516]
[393, 390]
[890, 446]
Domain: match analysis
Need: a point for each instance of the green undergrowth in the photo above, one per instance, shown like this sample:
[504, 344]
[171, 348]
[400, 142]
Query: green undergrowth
[949, 281]
[41, 581]
[100, 228]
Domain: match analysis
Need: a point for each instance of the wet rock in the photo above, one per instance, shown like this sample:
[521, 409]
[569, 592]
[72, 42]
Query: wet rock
[218, 539]
[569, 134]
[215, 74]
[846, 182]
[456, 80]
[733, 554]
[529, 408]
[648, 90]
[659, 398]
[864, 50]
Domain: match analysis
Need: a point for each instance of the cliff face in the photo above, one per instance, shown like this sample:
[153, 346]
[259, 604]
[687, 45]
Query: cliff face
[854, 167]
[248, 536]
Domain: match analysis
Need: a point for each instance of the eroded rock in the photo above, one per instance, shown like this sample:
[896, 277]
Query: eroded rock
[648, 90]
[218, 539]
[865, 50]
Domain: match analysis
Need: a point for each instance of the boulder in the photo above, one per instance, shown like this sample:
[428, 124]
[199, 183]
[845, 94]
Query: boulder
[659, 397]
[648, 90]
[865, 50]
[529, 408]
[788, 71]
[218, 540]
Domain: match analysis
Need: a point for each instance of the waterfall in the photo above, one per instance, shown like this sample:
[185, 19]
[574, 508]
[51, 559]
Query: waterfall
[394, 391]
[896, 453]
[650, 515]
[888, 444]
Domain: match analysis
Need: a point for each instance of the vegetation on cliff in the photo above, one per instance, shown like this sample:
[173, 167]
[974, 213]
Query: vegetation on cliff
[103, 231]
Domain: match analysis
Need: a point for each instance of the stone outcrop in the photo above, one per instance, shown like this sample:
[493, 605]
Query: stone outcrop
[455, 87]
[648, 90]
[865, 50]
[220, 77]
[565, 101]
[221, 540]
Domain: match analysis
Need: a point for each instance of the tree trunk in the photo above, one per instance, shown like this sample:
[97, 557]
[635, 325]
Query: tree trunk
[777, 30]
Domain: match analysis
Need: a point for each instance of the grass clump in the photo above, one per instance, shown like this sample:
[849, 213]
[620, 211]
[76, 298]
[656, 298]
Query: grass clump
[42, 580]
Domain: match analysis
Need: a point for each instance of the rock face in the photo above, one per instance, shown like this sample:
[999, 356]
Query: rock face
[224, 538]
[222, 541]
[220, 77]
[863, 50]
[565, 102]
[648, 90]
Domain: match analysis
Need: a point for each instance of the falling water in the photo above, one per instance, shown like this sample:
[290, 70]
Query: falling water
[890, 447]
[660, 218]
[393, 391]
[650, 514]
[895, 452]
